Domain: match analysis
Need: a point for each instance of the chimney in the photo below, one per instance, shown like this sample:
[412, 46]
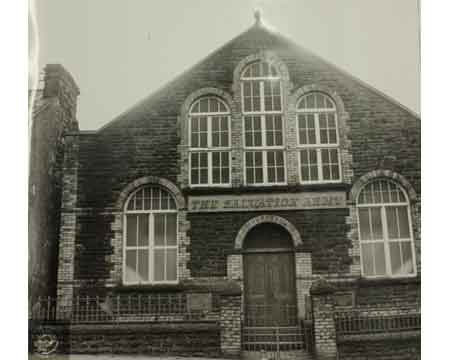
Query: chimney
[59, 83]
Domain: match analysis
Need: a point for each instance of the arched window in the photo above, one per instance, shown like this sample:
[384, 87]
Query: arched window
[385, 233]
[318, 139]
[263, 124]
[150, 237]
[209, 129]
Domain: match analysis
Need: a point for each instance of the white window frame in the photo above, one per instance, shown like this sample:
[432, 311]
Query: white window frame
[260, 80]
[318, 146]
[264, 149]
[210, 149]
[151, 242]
[386, 241]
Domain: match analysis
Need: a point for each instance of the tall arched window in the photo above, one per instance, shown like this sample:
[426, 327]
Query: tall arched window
[150, 237]
[209, 134]
[318, 139]
[385, 232]
[263, 124]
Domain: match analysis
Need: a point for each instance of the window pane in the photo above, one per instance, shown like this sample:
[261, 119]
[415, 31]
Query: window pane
[258, 175]
[225, 175]
[213, 105]
[143, 230]
[143, 265]
[367, 259]
[171, 229]
[158, 261]
[216, 175]
[216, 139]
[130, 270]
[270, 158]
[377, 228]
[396, 260]
[403, 222]
[194, 177]
[408, 267]
[159, 229]
[391, 217]
[271, 175]
[156, 196]
[364, 224]
[171, 264]
[380, 259]
[131, 230]
[203, 176]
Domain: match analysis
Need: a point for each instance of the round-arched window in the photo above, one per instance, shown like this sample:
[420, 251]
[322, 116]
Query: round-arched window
[262, 105]
[318, 139]
[150, 237]
[209, 134]
[385, 232]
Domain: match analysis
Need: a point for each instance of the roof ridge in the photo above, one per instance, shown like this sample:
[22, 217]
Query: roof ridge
[177, 77]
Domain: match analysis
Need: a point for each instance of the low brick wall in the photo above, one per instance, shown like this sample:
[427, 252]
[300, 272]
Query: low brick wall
[183, 339]
[389, 349]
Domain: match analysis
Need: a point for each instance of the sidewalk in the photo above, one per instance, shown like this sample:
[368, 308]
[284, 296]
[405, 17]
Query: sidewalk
[115, 357]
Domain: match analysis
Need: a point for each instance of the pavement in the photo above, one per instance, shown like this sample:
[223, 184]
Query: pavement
[115, 357]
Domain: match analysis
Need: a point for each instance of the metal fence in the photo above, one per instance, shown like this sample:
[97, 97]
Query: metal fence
[119, 308]
[272, 329]
[355, 323]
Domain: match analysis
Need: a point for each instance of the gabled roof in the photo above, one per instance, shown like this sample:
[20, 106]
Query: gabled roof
[216, 70]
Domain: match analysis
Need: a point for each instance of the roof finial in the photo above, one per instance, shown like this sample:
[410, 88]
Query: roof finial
[257, 15]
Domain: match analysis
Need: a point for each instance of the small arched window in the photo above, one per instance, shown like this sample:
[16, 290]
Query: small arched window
[209, 134]
[263, 124]
[385, 232]
[150, 237]
[318, 139]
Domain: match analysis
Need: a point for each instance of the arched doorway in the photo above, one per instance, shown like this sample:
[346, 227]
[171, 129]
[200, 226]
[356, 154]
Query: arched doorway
[269, 277]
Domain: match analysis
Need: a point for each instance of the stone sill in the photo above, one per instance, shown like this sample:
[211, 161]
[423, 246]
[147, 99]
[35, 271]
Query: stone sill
[387, 336]
[222, 287]
[265, 189]
[364, 282]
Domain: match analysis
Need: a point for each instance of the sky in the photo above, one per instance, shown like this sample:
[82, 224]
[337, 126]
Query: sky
[120, 51]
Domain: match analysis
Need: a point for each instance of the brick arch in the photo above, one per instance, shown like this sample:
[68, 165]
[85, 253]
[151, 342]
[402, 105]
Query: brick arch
[340, 108]
[208, 91]
[291, 229]
[269, 56]
[380, 173]
[151, 180]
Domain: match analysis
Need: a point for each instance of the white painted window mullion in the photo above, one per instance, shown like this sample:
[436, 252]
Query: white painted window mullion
[386, 241]
[151, 241]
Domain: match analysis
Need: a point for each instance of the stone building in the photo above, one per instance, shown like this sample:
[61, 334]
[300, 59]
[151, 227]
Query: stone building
[262, 200]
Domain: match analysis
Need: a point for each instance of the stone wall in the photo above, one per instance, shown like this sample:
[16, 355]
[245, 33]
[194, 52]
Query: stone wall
[389, 349]
[182, 339]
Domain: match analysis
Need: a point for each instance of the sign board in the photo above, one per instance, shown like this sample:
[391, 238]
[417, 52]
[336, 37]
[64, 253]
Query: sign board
[199, 301]
[266, 202]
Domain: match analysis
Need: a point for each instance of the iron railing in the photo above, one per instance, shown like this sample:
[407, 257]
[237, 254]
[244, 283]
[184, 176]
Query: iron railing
[272, 339]
[348, 323]
[120, 308]
[272, 315]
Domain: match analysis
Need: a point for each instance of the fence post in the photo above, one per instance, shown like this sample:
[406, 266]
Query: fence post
[323, 314]
[230, 323]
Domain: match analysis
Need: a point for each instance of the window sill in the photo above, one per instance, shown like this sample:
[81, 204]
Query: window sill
[149, 287]
[385, 281]
[242, 189]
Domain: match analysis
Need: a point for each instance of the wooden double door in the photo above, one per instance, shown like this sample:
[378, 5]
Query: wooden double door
[269, 281]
